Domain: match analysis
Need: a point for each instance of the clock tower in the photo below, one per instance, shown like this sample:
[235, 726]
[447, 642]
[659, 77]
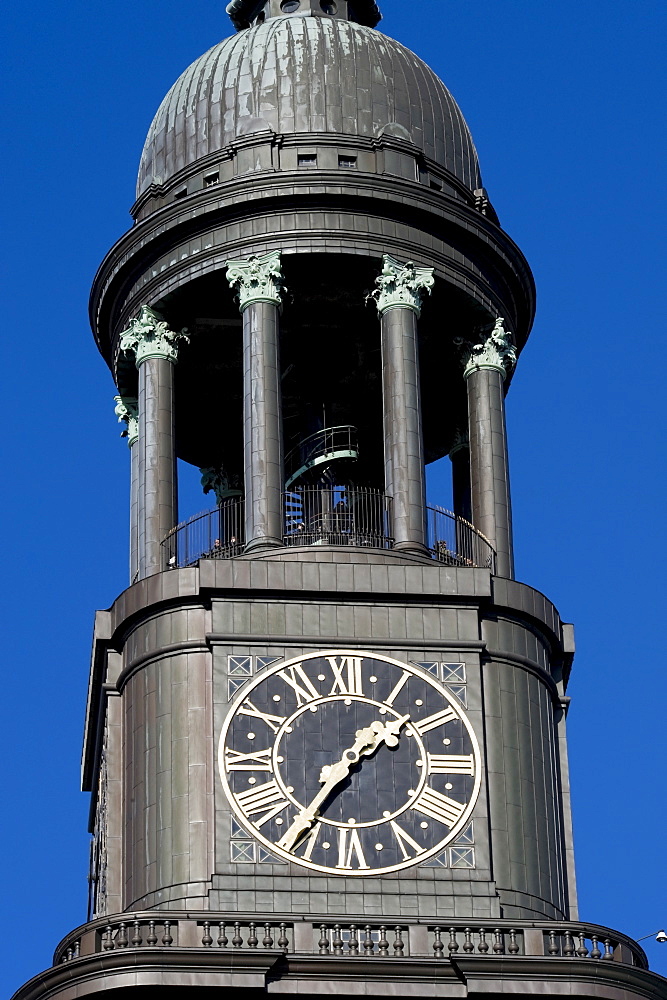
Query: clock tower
[325, 734]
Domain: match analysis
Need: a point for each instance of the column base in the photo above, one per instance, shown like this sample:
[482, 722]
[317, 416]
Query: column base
[259, 544]
[412, 548]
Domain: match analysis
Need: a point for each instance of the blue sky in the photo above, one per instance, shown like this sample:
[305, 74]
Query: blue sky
[565, 102]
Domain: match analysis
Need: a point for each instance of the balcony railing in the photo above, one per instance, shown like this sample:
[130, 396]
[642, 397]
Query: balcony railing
[337, 515]
[320, 448]
[456, 542]
[213, 534]
[326, 515]
[351, 938]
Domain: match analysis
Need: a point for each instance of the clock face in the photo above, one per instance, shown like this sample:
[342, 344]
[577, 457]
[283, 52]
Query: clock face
[349, 764]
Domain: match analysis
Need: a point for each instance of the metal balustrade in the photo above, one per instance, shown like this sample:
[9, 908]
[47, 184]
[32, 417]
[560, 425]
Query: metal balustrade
[228, 933]
[325, 515]
[337, 515]
[213, 534]
[456, 542]
[327, 445]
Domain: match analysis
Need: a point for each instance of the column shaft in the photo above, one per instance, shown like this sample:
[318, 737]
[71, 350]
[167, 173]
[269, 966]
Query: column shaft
[156, 466]
[262, 422]
[489, 470]
[460, 460]
[403, 447]
[134, 511]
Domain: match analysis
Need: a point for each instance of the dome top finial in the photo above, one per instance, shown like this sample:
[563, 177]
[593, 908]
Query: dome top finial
[245, 13]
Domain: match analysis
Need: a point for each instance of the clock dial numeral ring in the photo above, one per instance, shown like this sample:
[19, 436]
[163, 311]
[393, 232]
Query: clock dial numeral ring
[357, 783]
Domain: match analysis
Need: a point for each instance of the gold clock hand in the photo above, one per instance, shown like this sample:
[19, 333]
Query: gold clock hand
[331, 776]
[367, 741]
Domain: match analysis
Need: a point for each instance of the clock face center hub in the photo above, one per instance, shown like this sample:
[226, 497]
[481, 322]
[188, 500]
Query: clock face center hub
[379, 785]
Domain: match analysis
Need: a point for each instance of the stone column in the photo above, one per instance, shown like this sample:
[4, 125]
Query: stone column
[127, 413]
[258, 283]
[155, 348]
[459, 455]
[399, 294]
[487, 364]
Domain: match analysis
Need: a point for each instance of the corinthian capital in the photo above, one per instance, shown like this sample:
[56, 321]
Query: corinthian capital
[148, 336]
[258, 278]
[402, 285]
[495, 352]
[127, 412]
[216, 480]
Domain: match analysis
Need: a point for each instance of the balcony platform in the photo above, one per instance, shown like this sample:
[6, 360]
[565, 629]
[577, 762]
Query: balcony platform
[186, 952]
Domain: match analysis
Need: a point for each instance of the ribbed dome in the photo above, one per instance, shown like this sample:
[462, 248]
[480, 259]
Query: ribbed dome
[305, 74]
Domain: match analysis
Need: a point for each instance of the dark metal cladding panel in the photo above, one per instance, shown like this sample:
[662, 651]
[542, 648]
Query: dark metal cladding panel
[306, 74]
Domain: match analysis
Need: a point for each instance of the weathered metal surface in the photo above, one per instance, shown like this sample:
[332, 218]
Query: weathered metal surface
[306, 74]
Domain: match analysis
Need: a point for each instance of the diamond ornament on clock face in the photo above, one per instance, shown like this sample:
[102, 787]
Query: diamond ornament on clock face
[349, 763]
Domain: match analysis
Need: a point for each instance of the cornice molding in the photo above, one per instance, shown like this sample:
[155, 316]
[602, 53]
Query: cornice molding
[503, 283]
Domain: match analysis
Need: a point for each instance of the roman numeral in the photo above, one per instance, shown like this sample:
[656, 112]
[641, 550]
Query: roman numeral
[274, 722]
[397, 688]
[350, 852]
[267, 799]
[296, 676]
[347, 675]
[443, 763]
[405, 841]
[260, 760]
[440, 807]
[309, 842]
[432, 721]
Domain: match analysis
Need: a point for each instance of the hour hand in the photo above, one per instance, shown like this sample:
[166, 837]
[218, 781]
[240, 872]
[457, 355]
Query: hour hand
[388, 732]
[367, 741]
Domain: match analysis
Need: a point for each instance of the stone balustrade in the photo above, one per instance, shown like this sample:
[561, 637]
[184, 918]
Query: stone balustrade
[350, 939]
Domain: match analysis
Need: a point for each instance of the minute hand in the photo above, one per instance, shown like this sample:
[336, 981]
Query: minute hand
[367, 741]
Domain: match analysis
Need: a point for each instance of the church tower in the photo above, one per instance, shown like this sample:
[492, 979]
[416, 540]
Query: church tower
[325, 734]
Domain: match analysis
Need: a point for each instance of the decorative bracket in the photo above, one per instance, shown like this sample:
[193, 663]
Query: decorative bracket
[127, 411]
[495, 353]
[402, 285]
[258, 278]
[149, 336]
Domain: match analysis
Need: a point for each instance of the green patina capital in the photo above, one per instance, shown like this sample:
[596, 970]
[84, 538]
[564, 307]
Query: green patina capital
[258, 278]
[402, 285]
[127, 411]
[494, 353]
[149, 336]
[215, 480]
[461, 442]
